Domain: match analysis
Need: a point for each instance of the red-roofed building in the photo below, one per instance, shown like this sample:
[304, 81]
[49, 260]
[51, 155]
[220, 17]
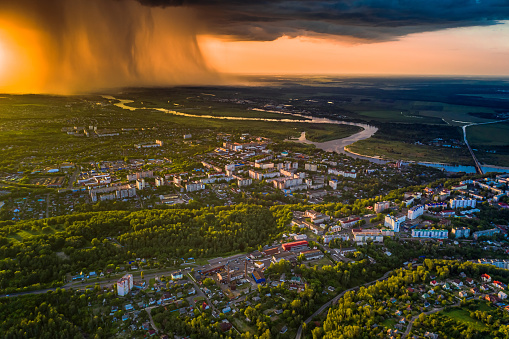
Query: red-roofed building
[485, 278]
[498, 284]
[434, 283]
[296, 246]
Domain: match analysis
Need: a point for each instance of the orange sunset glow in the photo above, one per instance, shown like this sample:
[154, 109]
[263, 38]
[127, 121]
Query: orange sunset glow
[461, 51]
[73, 46]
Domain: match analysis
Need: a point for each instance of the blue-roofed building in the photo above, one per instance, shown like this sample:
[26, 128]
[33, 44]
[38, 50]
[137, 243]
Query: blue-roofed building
[258, 277]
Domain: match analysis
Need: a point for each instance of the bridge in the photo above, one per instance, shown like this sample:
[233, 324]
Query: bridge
[477, 165]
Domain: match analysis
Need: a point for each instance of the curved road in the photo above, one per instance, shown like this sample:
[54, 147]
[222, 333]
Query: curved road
[410, 324]
[335, 300]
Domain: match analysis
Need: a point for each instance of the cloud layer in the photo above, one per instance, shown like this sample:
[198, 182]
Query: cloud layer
[375, 20]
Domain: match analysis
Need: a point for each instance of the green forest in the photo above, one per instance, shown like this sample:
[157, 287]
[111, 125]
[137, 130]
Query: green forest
[86, 240]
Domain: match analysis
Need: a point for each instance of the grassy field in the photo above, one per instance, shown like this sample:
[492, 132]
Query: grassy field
[489, 135]
[396, 150]
[389, 323]
[322, 133]
[400, 117]
[463, 316]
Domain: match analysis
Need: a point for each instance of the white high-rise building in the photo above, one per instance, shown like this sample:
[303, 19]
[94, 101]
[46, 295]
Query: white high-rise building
[394, 222]
[415, 212]
[124, 285]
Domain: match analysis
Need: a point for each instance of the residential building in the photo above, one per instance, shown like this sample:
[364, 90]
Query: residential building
[382, 206]
[447, 213]
[462, 203]
[159, 181]
[311, 167]
[313, 254]
[500, 263]
[485, 278]
[349, 222]
[415, 212]
[316, 217]
[329, 237]
[461, 232]
[316, 229]
[376, 235]
[141, 184]
[333, 183]
[394, 222]
[435, 234]
[193, 187]
[125, 284]
[486, 233]
[435, 205]
[241, 182]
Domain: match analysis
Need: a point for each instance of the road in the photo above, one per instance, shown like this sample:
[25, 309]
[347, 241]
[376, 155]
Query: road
[48, 200]
[411, 323]
[478, 167]
[73, 177]
[335, 300]
[92, 282]
[136, 274]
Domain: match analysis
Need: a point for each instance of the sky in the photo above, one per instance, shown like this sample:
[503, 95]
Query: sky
[72, 46]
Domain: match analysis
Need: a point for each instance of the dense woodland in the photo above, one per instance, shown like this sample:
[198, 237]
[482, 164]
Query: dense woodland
[86, 240]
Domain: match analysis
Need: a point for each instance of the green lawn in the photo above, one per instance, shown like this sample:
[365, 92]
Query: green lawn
[463, 316]
[402, 116]
[320, 263]
[322, 132]
[490, 135]
[389, 323]
[396, 150]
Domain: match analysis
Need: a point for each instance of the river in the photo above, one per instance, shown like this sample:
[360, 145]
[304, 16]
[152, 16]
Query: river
[337, 145]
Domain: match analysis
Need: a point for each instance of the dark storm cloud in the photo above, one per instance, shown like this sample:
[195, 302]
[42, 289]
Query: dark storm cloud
[377, 20]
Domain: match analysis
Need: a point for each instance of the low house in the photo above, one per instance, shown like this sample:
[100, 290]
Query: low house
[433, 283]
[498, 284]
[463, 294]
[177, 275]
[485, 278]
[502, 295]
[458, 283]
[225, 326]
[470, 281]
[446, 286]
[474, 290]
[484, 287]
[492, 298]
